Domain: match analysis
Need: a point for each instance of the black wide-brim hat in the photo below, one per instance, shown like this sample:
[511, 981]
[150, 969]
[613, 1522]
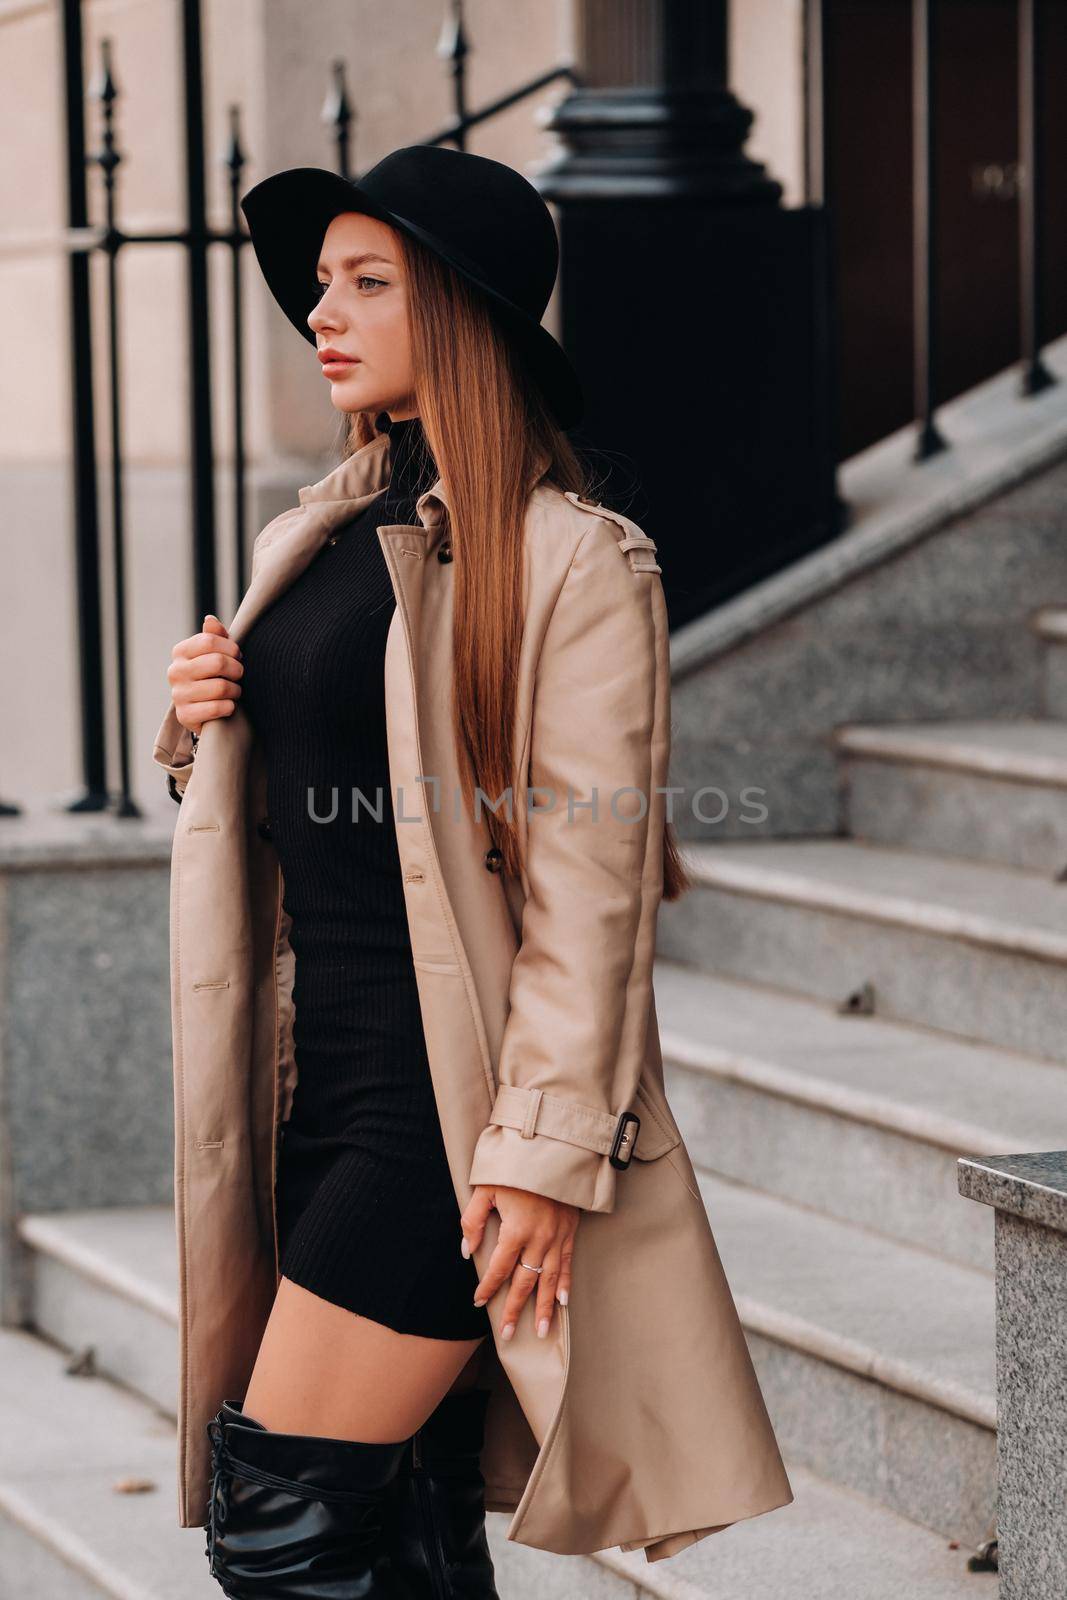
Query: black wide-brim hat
[483, 218]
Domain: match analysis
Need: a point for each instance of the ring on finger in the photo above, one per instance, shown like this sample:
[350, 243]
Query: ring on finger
[528, 1267]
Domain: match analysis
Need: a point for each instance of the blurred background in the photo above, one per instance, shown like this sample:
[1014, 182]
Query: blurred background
[813, 262]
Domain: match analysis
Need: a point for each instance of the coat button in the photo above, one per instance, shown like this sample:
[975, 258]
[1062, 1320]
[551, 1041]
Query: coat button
[494, 860]
[263, 828]
[444, 552]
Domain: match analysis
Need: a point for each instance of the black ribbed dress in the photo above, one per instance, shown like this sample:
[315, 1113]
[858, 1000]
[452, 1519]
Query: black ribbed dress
[367, 1215]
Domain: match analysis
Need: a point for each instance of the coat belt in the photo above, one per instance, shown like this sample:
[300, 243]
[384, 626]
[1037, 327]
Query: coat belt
[533, 1111]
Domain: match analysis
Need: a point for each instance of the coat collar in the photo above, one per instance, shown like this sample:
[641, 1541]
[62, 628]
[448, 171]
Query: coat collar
[365, 472]
[326, 505]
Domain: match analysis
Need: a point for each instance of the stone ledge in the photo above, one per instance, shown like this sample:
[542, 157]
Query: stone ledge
[1050, 623]
[45, 835]
[1028, 750]
[1031, 1185]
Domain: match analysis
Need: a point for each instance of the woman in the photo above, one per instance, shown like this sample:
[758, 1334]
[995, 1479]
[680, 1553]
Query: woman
[423, 1078]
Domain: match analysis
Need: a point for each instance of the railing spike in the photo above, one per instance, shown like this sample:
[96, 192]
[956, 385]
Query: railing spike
[104, 88]
[453, 49]
[235, 161]
[235, 158]
[337, 109]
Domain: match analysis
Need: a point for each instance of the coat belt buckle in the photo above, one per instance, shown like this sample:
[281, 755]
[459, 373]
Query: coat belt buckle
[624, 1141]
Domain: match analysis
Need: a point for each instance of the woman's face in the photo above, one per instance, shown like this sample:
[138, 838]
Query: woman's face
[362, 316]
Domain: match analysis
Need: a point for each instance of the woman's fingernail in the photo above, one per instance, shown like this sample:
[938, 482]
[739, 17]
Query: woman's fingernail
[542, 1327]
[465, 1248]
[562, 1297]
[507, 1330]
[478, 1301]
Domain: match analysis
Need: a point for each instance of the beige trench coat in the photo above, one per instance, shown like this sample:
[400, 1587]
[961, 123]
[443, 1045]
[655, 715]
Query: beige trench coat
[638, 1421]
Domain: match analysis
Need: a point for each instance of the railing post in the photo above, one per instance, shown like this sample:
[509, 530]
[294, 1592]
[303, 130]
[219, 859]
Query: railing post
[930, 440]
[83, 433]
[109, 160]
[1035, 375]
[824, 300]
[203, 499]
[235, 164]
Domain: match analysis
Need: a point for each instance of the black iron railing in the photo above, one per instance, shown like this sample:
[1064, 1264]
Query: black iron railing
[926, 67]
[1036, 375]
[924, 258]
[196, 237]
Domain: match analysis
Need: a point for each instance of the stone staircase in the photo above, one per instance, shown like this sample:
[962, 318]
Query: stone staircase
[87, 1494]
[842, 1017]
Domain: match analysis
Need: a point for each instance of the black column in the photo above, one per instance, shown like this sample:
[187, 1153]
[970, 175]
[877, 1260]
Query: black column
[692, 303]
[654, 116]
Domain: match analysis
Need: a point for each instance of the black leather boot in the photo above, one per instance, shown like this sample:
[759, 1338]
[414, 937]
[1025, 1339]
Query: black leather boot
[298, 1517]
[437, 1538]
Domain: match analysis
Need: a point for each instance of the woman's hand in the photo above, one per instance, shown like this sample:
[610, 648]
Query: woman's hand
[202, 673]
[534, 1229]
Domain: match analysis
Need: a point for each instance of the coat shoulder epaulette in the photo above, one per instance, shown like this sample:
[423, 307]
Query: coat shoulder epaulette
[639, 549]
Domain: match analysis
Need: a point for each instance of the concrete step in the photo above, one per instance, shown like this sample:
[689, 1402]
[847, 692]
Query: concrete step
[108, 1278]
[68, 1530]
[875, 1353]
[971, 949]
[876, 1360]
[989, 791]
[829, 1544]
[1050, 625]
[852, 1115]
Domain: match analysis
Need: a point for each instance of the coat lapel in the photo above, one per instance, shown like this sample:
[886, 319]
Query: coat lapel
[327, 505]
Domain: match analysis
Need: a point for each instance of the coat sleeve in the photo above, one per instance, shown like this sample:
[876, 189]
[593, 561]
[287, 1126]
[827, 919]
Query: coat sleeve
[175, 752]
[580, 990]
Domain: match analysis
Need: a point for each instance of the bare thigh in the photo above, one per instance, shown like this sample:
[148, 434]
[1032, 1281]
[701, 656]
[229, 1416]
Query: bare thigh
[321, 1369]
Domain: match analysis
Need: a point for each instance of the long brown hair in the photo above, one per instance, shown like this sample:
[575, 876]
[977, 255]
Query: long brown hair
[493, 440]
